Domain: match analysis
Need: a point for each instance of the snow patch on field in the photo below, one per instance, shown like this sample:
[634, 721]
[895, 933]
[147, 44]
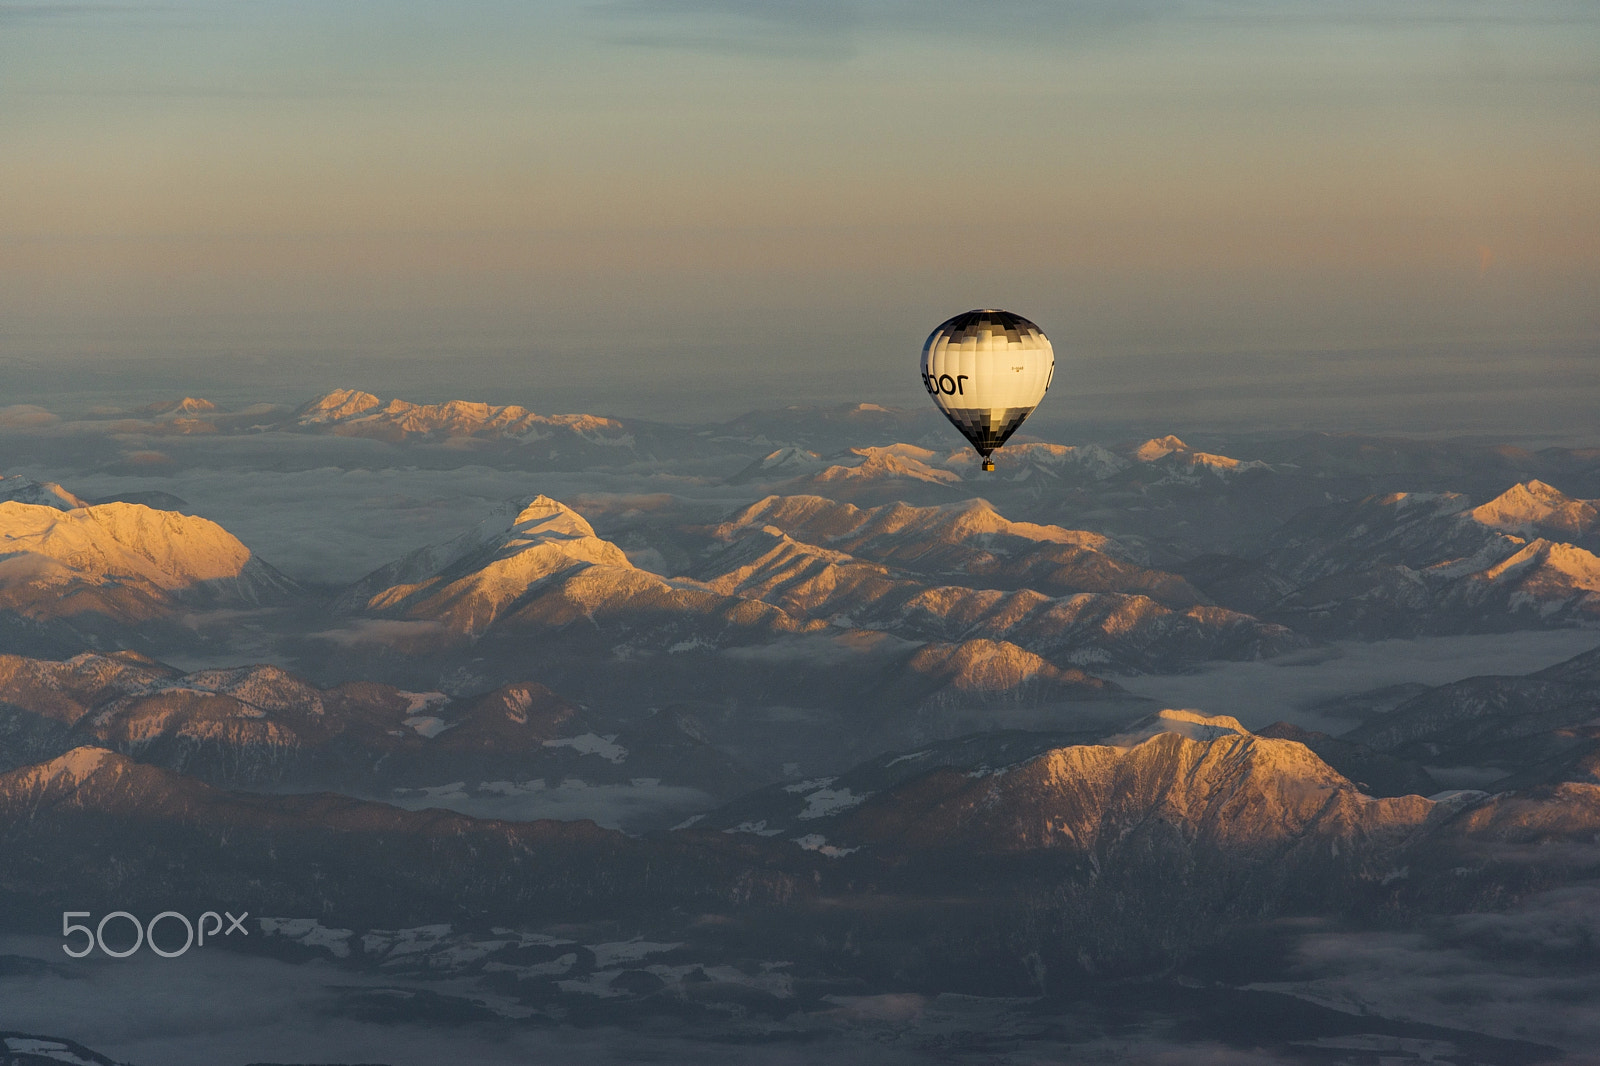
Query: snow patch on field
[758, 828]
[637, 805]
[592, 744]
[828, 801]
[818, 843]
[610, 954]
[310, 933]
[417, 702]
[52, 1050]
[427, 726]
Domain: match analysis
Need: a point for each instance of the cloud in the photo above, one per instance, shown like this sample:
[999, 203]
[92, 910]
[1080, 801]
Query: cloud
[213, 1006]
[818, 16]
[840, 29]
[823, 650]
[1526, 973]
[379, 631]
[637, 805]
[147, 457]
[1560, 926]
[332, 509]
[1260, 693]
[25, 416]
[28, 12]
[1157, 1053]
[824, 29]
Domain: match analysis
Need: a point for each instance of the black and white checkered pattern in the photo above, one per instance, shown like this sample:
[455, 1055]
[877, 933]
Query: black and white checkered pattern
[987, 429]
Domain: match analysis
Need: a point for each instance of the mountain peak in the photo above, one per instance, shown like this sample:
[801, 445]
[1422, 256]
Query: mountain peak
[1188, 464]
[1019, 461]
[892, 461]
[544, 533]
[542, 518]
[1543, 491]
[1192, 725]
[348, 412]
[338, 404]
[124, 561]
[189, 405]
[468, 582]
[1550, 563]
[992, 667]
[540, 565]
[1534, 505]
[40, 493]
[784, 458]
[1156, 447]
[72, 768]
[126, 540]
[896, 531]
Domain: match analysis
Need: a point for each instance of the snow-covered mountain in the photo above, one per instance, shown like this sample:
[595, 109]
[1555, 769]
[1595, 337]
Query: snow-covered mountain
[1025, 859]
[1534, 510]
[1497, 732]
[1374, 772]
[539, 566]
[119, 833]
[361, 414]
[988, 676]
[1148, 842]
[1111, 630]
[1415, 530]
[1550, 579]
[19, 489]
[1408, 563]
[879, 690]
[781, 465]
[1176, 781]
[1162, 461]
[107, 568]
[1020, 461]
[517, 544]
[186, 407]
[189, 415]
[945, 538]
[1423, 530]
[60, 554]
[857, 470]
[1214, 822]
[1177, 462]
[966, 543]
[36, 1049]
[872, 466]
[262, 727]
[1230, 825]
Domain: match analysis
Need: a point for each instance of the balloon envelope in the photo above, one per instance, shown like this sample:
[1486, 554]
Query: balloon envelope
[987, 370]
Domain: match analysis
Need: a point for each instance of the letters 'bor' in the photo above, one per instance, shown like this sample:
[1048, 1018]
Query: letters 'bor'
[987, 370]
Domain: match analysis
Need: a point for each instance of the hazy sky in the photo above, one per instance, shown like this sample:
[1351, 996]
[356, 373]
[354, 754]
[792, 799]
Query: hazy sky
[777, 200]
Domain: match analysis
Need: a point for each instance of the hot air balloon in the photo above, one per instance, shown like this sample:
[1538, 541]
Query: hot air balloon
[987, 370]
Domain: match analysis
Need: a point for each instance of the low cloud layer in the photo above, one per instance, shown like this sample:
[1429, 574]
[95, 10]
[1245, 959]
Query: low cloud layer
[1260, 693]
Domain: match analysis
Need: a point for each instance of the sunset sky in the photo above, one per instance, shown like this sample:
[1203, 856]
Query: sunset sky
[774, 202]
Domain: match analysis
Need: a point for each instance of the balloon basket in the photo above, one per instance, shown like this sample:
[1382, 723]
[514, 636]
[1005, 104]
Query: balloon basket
[988, 464]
